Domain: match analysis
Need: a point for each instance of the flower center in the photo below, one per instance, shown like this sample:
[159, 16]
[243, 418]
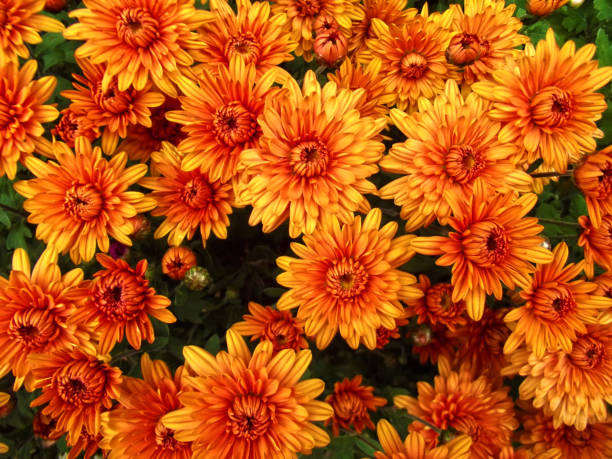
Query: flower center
[118, 296]
[487, 244]
[577, 438]
[439, 301]
[587, 353]
[463, 164]
[137, 28]
[249, 417]
[34, 328]
[197, 193]
[112, 100]
[413, 65]
[551, 107]
[348, 406]
[165, 438]
[244, 45]
[346, 278]
[309, 158]
[84, 202]
[605, 181]
[282, 334]
[234, 125]
[71, 386]
[308, 7]
[554, 303]
[465, 49]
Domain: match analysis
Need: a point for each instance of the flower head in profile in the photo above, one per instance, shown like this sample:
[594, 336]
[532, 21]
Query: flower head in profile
[23, 113]
[544, 7]
[265, 323]
[436, 307]
[238, 404]
[594, 178]
[81, 199]
[313, 158]
[120, 302]
[73, 125]
[177, 261]
[352, 404]
[549, 105]
[134, 428]
[346, 280]
[597, 243]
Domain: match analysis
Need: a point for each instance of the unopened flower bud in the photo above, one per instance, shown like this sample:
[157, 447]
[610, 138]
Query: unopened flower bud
[544, 7]
[576, 3]
[177, 261]
[330, 47]
[141, 227]
[197, 278]
[421, 336]
[54, 6]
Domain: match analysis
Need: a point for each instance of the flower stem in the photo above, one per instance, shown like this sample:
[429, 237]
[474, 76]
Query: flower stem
[19, 212]
[550, 174]
[366, 440]
[559, 222]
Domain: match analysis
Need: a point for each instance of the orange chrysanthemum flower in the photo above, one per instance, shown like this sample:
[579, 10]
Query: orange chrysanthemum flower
[549, 105]
[238, 405]
[20, 26]
[594, 178]
[81, 199]
[120, 301]
[43, 427]
[487, 35]
[556, 307]
[77, 387]
[254, 35]
[219, 115]
[572, 387]
[36, 313]
[140, 41]
[23, 113]
[544, 7]
[450, 144]
[492, 243]
[177, 261]
[352, 403]
[385, 335]
[189, 200]
[510, 453]
[432, 343]
[467, 404]
[346, 280]
[73, 125]
[313, 158]
[86, 443]
[278, 327]
[604, 288]
[135, 429]
[596, 243]
[415, 445]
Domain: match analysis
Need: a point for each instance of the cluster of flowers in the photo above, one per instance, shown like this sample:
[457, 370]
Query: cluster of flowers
[197, 101]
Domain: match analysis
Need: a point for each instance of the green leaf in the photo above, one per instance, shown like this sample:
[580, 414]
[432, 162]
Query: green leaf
[17, 237]
[578, 206]
[574, 21]
[534, 165]
[604, 9]
[213, 345]
[274, 292]
[604, 48]
[4, 219]
[342, 447]
[367, 448]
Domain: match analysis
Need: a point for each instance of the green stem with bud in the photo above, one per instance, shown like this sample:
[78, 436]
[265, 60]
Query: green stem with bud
[558, 222]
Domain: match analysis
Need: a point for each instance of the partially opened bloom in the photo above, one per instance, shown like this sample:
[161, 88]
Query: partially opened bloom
[177, 261]
[76, 388]
[436, 306]
[313, 158]
[346, 280]
[549, 105]
[139, 41]
[134, 428]
[544, 7]
[189, 200]
[597, 243]
[330, 47]
[23, 113]
[492, 242]
[251, 406]
[81, 199]
[73, 125]
[120, 302]
[594, 178]
[415, 445]
[265, 323]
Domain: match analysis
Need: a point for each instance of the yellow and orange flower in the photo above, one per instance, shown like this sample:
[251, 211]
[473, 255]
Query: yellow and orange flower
[313, 158]
[189, 200]
[268, 324]
[594, 178]
[493, 242]
[134, 428]
[352, 403]
[470, 405]
[21, 23]
[252, 406]
[450, 145]
[544, 7]
[36, 313]
[346, 280]
[548, 105]
[177, 261]
[139, 41]
[73, 125]
[596, 243]
[23, 113]
[415, 445]
[436, 306]
[77, 387]
[81, 199]
[120, 302]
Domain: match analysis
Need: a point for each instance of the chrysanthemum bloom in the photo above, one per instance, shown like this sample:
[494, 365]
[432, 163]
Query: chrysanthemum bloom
[55, 6]
[415, 445]
[254, 34]
[330, 47]
[604, 288]
[238, 405]
[140, 41]
[268, 324]
[81, 199]
[544, 7]
[572, 387]
[135, 429]
[313, 158]
[597, 244]
[86, 444]
[20, 26]
[72, 125]
[346, 280]
[551, 113]
[385, 335]
[120, 301]
[467, 404]
[431, 343]
[594, 178]
[487, 35]
[492, 243]
[43, 427]
[556, 307]
[508, 452]
[77, 387]
[451, 143]
[23, 112]
[36, 308]
[177, 261]
[352, 403]
[436, 306]
[190, 201]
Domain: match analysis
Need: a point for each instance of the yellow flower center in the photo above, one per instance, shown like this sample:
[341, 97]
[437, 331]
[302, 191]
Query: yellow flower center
[413, 65]
[346, 278]
[249, 417]
[233, 124]
[83, 202]
[463, 163]
[244, 45]
[551, 107]
[137, 28]
[309, 158]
